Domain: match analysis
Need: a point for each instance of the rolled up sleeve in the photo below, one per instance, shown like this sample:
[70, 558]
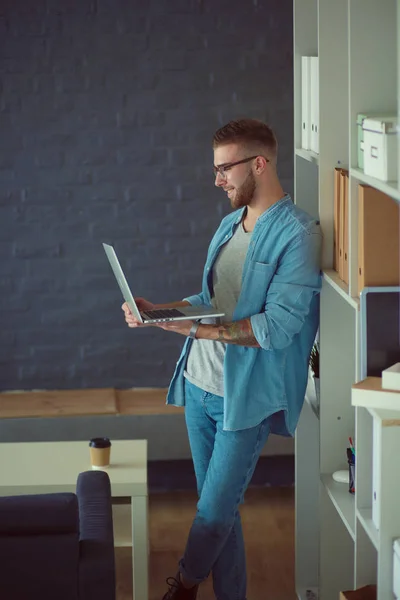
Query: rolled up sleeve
[196, 300]
[292, 289]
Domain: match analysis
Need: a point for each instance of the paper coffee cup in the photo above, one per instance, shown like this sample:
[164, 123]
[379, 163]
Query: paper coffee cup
[100, 449]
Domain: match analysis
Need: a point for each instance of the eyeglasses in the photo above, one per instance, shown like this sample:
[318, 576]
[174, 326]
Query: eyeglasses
[221, 169]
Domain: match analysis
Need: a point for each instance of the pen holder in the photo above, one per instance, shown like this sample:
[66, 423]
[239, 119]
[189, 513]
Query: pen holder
[352, 471]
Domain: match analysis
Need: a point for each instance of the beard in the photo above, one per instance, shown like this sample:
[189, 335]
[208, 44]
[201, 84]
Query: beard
[244, 195]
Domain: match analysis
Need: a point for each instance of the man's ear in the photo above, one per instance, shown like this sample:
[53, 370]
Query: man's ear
[261, 165]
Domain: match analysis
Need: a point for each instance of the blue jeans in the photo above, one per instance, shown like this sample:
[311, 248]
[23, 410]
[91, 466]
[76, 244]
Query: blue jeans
[224, 462]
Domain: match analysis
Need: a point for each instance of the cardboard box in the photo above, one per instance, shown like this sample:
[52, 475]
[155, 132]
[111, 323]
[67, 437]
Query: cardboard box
[360, 140]
[391, 378]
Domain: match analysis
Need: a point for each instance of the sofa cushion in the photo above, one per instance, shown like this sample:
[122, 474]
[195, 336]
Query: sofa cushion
[39, 566]
[39, 514]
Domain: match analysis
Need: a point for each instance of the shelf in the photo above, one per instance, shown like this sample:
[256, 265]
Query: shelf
[308, 155]
[387, 418]
[343, 502]
[122, 522]
[332, 277]
[370, 394]
[391, 188]
[308, 593]
[365, 517]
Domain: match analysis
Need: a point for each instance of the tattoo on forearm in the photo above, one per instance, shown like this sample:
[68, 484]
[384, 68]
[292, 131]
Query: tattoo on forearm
[239, 332]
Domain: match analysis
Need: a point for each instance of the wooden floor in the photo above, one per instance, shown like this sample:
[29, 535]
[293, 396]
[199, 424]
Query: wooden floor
[268, 524]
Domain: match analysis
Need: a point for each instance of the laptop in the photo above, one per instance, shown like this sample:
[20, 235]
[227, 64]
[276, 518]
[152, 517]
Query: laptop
[159, 315]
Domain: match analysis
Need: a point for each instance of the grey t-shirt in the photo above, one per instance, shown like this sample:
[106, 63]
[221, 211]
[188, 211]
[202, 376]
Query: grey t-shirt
[205, 365]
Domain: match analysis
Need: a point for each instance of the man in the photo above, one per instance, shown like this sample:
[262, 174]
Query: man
[244, 377]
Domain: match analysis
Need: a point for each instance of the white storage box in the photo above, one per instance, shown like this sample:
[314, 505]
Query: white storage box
[380, 147]
[391, 378]
[396, 568]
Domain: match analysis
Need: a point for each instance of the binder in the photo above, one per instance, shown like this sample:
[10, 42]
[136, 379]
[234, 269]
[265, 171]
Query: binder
[343, 224]
[314, 71]
[346, 228]
[336, 218]
[378, 239]
[305, 102]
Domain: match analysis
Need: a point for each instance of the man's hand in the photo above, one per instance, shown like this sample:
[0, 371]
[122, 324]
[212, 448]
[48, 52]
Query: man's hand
[142, 304]
[182, 327]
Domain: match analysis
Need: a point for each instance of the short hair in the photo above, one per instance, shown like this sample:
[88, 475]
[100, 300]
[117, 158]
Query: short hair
[252, 133]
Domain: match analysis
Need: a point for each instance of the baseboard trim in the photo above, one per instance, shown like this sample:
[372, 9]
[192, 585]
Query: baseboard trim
[178, 475]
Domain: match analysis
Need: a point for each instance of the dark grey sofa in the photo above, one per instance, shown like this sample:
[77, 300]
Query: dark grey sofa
[59, 546]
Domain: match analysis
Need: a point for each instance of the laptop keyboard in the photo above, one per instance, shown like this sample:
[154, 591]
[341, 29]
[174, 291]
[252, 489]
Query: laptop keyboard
[163, 314]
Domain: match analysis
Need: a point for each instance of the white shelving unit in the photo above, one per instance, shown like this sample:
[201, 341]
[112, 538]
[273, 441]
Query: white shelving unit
[378, 565]
[338, 546]
[387, 187]
[308, 155]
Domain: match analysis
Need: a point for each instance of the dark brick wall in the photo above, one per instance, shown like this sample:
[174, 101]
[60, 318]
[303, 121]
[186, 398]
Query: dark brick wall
[107, 111]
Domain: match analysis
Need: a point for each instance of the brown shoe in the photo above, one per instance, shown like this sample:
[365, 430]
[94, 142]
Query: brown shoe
[178, 592]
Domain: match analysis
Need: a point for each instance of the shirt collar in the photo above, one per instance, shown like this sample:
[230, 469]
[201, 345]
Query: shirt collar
[277, 205]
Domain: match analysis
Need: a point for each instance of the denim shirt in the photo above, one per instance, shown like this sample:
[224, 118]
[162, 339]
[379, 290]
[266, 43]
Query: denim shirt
[281, 282]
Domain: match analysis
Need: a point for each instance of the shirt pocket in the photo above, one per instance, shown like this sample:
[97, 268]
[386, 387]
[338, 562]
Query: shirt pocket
[263, 268]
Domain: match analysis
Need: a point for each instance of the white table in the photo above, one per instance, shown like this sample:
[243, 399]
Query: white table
[48, 467]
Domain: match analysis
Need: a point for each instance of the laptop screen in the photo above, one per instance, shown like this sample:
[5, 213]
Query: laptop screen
[380, 330]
